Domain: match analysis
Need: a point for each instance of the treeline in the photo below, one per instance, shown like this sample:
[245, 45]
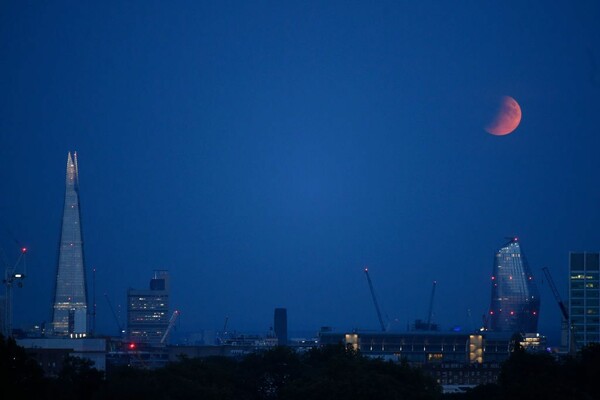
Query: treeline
[327, 373]
[527, 376]
[280, 373]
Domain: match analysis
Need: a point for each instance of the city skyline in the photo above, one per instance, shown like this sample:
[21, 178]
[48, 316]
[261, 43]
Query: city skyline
[265, 154]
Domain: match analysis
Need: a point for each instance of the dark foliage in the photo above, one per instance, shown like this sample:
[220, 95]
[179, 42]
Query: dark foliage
[19, 374]
[78, 380]
[280, 373]
[543, 376]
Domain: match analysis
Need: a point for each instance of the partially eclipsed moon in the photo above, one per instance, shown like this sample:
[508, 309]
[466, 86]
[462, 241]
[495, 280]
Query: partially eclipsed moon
[507, 118]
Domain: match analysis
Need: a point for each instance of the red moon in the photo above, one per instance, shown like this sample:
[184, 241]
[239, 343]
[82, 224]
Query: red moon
[507, 117]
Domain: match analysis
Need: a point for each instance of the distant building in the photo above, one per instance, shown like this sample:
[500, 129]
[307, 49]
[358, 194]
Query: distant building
[534, 343]
[148, 310]
[3, 315]
[70, 295]
[420, 325]
[281, 332]
[451, 358]
[50, 352]
[515, 301]
[584, 295]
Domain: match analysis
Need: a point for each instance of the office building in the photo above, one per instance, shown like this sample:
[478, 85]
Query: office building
[515, 301]
[450, 357]
[583, 298]
[50, 353]
[70, 296]
[281, 326]
[148, 311]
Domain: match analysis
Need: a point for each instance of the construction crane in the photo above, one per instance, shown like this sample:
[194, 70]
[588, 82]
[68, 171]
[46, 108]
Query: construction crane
[383, 327]
[430, 313]
[11, 276]
[121, 330]
[563, 310]
[225, 325]
[171, 323]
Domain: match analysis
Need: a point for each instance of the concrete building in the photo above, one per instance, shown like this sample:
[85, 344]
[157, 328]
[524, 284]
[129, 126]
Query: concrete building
[50, 352]
[280, 326]
[148, 311]
[452, 358]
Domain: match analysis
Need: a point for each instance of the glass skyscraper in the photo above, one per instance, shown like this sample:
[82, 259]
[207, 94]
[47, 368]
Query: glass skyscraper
[70, 296]
[515, 301]
[584, 294]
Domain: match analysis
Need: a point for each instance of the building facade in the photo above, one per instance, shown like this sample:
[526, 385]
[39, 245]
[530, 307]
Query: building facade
[148, 311]
[50, 352]
[280, 322]
[70, 295]
[452, 358]
[583, 298]
[515, 300]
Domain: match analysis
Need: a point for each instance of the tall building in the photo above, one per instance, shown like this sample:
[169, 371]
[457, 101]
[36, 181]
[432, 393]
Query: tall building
[584, 294]
[515, 301]
[148, 310]
[281, 326]
[70, 296]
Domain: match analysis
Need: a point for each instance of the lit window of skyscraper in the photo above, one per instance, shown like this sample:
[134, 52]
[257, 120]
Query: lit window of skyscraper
[583, 297]
[70, 296]
[515, 299]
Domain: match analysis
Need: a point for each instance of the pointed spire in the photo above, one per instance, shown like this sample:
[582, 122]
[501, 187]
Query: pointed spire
[72, 173]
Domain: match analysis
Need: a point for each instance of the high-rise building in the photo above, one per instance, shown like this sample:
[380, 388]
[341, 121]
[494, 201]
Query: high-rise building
[148, 310]
[515, 302]
[70, 296]
[281, 326]
[584, 295]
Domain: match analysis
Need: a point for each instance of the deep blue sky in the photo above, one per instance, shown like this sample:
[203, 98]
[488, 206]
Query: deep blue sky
[265, 152]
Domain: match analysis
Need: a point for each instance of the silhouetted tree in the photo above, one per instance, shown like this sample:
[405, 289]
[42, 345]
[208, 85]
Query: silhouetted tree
[528, 375]
[19, 373]
[334, 372]
[79, 380]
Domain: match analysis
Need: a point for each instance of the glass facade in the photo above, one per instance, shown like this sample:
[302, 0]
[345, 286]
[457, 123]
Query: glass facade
[515, 301]
[70, 296]
[584, 297]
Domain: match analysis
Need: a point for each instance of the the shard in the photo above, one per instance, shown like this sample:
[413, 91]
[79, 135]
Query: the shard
[515, 301]
[70, 296]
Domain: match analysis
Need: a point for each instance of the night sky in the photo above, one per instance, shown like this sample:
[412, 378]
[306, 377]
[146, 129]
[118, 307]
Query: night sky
[266, 152]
